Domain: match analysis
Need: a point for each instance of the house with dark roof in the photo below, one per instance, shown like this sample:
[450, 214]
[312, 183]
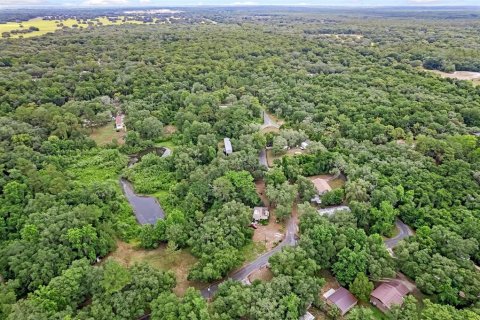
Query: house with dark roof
[342, 298]
[388, 294]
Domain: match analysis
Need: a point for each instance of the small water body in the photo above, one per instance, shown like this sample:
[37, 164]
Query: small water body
[147, 209]
[159, 151]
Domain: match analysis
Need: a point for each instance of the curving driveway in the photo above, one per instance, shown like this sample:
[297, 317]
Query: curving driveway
[404, 231]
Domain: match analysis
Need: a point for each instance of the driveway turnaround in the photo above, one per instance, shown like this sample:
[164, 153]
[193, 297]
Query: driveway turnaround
[404, 232]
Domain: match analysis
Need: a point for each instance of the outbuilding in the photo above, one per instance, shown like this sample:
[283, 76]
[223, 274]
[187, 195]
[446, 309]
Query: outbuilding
[388, 294]
[342, 298]
[307, 316]
[227, 146]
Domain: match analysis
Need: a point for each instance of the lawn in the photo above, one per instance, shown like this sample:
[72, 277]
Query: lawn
[252, 251]
[162, 258]
[105, 134]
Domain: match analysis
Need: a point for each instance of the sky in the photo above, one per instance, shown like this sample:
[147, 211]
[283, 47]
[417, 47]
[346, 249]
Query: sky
[170, 3]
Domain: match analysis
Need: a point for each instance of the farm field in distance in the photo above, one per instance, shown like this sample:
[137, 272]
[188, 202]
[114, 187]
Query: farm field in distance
[46, 26]
[248, 162]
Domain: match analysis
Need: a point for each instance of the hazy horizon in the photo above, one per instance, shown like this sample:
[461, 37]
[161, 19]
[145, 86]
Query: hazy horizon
[216, 3]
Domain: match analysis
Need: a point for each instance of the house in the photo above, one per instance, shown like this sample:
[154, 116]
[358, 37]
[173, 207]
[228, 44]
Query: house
[119, 122]
[332, 210]
[342, 298]
[260, 213]
[322, 187]
[388, 294]
[227, 146]
[307, 316]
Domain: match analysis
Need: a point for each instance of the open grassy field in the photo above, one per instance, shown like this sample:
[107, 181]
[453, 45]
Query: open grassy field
[179, 261]
[105, 134]
[47, 26]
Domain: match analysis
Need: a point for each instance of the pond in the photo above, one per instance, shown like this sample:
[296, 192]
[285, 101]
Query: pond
[146, 209]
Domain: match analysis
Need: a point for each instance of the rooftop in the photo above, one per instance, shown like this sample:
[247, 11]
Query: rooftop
[343, 299]
[390, 293]
[321, 185]
[228, 146]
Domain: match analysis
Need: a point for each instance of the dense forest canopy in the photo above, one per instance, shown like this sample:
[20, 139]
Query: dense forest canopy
[355, 84]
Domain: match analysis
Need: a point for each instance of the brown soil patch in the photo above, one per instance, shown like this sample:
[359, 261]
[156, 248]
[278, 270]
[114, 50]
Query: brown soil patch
[270, 235]
[273, 232]
[179, 262]
[260, 186]
[334, 183]
[169, 130]
[330, 281]
[262, 274]
[474, 77]
[275, 119]
[106, 134]
[270, 129]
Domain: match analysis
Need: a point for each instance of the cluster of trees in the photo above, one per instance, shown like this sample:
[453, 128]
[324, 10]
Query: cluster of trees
[439, 261]
[86, 292]
[340, 246]
[402, 138]
[294, 287]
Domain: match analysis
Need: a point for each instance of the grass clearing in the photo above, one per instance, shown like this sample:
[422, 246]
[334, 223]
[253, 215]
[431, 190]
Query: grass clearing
[252, 250]
[263, 274]
[106, 134]
[47, 26]
[290, 152]
[162, 258]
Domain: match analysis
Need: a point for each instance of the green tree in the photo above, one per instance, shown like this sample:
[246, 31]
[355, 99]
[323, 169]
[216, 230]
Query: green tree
[361, 287]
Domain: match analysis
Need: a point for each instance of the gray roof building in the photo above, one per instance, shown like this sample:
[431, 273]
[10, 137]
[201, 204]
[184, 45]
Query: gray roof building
[227, 146]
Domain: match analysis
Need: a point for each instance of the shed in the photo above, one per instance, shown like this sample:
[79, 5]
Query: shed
[388, 294]
[260, 213]
[321, 185]
[307, 316]
[343, 299]
[227, 146]
[304, 145]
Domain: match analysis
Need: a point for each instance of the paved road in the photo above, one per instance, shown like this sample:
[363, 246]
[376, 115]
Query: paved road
[261, 261]
[404, 231]
[262, 157]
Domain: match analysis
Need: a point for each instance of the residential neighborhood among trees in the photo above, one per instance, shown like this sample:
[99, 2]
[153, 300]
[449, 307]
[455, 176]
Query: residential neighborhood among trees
[241, 163]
